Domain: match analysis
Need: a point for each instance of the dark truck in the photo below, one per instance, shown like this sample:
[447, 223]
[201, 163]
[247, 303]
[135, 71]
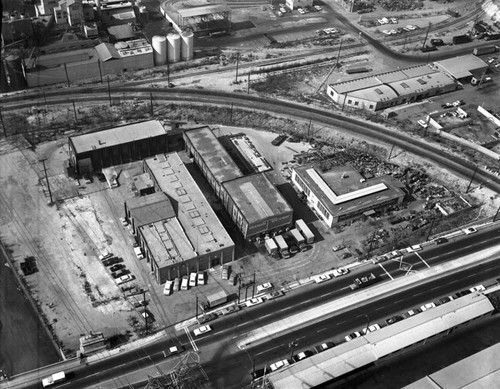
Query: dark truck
[363, 281]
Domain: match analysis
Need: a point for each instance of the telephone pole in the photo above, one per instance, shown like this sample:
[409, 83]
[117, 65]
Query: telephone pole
[47, 179]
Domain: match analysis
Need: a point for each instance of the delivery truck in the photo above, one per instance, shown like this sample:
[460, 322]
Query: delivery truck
[54, 379]
[299, 239]
[217, 298]
[304, 230]
[271, 247]
[282, 246]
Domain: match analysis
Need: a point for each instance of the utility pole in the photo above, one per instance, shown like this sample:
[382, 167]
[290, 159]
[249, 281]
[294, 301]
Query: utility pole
[196, 307]
[3, 124]
[239, 288]
[109, 93]
[47, 179]
[292, 346]
[253, 285]
[496, 214]
[404, 44]
[472, 179]
[390, 152]
[66, 71]
[338, 54]
[231, 114]
[430, 229]
[248, 83]
[237, 63]
[151, 102]
[145, 304]
[168, 72]
[309, 129]
[426, 35]
[74, 111]
[100, 71]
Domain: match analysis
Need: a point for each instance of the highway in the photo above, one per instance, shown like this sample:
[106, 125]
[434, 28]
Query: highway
[229, 367]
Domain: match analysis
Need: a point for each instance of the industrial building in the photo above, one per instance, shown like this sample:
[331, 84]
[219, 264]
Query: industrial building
[462, 68]
[342, 193]
[375, 347]
[131, 142]
[202, 20]
[386, 90]
[252, 201]
[176, 227]
[92, 63]
[294, 4]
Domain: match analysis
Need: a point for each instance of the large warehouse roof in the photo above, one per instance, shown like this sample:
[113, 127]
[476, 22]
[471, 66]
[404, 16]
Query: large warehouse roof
[342, 189]
[461, 67]
[151, 208]
[375, 93]
[214, 155]
[205, 10]
[347, 357]
[481, 370]
[256, 197]
[118, 135]
[198, 220]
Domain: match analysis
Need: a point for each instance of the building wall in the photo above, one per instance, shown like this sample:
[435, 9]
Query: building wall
[294, 4]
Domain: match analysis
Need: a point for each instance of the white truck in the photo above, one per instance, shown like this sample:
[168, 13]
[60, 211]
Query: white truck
[138, 253]
[271, 247]
[305, 231]
[282, 246]
[54, 379]
[299, 239]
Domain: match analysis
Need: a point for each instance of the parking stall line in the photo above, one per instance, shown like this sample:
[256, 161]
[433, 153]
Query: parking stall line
[191, 340]
[386, 272]
[426, 264]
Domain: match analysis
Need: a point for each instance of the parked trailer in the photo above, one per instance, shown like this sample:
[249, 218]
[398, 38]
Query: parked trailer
[282, 246]
[271, 246]
[54, 379]
[485, 50]
[297, 236]
[461, 39]
[304, 230]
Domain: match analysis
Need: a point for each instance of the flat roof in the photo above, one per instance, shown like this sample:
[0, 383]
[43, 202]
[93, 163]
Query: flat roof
[142, 181]
[480, 370]
[342, 189]
[375, 93]
[422, 83]
[256, 197]
[151, 208]
[117, 135]
[359, 352]
[250, 153]
[204, 10]
[199, 222]
[214, 155]
[460, 67]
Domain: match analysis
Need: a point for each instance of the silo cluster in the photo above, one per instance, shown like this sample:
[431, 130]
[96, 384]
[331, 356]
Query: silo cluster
[173, 48]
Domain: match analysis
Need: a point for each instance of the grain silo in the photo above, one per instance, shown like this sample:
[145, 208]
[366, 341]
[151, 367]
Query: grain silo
[160, 50]
[174, 47]
[187, 45]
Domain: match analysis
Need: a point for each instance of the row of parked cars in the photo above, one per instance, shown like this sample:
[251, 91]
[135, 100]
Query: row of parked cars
[356, 334]
[184, 283]
[117, 269]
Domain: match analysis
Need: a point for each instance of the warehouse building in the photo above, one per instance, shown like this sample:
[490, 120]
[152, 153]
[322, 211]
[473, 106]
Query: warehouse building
[462, 68]
[386, 90]
[376, 347]
[131, 142]
[176, 228]
[343, 194]
[253, 202]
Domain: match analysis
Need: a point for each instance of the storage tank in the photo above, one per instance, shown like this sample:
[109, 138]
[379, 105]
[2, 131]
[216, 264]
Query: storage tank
[15, 71]
[174, 47]
[159, 44]
[187, 45]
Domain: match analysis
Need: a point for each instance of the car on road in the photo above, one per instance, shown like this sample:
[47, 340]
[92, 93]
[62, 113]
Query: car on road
[117, 267]
[478, 288]
[323, 346]
[202, 330]
[372, 328]
[411, 312]
[339, 272]
[123, 279]
[263, 287]
[427, 306]
[303, 355]
[321, 278]
[278, 365]
[394, 319]
[353, 335]
[469, 230]
[254, 301]
[440, 240]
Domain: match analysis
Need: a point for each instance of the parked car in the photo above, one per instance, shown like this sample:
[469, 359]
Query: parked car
[177, 284]
[372, 328]
[303, 355]
[317, 8]
[427, 306]
[321, 278]
[411, 312]
[323, 346]
[124, 222]
[202, 330]
[440, 240]
[414, 248]
[422, 123]
[352, 336]
[117, 274]
[469, 230]
[339, 272]
[263, 287]
[233, 279]
[478, 288]
[123, 279]
[254, 301]
[206, 318]
[278, 365]
[201, 278]
[444, 300]
[117, 267]
[167, 289]
[111, 261]
[105, 255]
[301, 11]
[225, 272]
[394, 319]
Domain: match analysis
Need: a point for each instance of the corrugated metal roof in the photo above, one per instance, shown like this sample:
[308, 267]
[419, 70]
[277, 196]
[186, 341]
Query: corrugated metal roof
[205, 10]
[106, 51]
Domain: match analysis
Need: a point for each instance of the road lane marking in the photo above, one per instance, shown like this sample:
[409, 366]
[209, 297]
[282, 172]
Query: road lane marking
[386, 272]
[269, 349]
[321, 330]
[426, 264]
[191, 340]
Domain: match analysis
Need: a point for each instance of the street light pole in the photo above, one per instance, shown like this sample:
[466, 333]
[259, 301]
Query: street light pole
[292, 346]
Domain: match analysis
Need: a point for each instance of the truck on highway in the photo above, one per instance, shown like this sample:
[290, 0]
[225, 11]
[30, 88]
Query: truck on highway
[54, 379]
[282, 246]
[485, 50]
[304, 230]
[271, 247]
[363, 281]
